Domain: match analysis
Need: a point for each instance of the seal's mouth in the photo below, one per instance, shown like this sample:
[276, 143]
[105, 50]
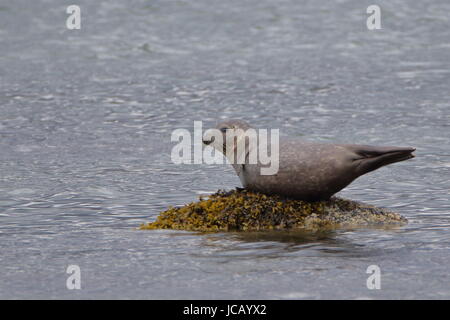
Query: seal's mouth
[208, 142]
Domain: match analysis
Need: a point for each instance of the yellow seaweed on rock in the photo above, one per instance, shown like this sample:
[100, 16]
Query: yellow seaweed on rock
[242, 210]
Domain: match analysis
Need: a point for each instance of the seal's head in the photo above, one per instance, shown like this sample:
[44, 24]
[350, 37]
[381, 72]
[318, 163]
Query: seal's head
[225, 133]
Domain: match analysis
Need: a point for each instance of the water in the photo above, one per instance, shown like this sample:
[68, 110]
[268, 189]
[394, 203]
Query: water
[85, 124]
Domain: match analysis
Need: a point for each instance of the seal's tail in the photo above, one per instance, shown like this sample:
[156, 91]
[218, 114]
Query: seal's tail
[371, 158]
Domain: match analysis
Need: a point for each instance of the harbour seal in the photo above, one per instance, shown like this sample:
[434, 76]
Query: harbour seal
[307, 170]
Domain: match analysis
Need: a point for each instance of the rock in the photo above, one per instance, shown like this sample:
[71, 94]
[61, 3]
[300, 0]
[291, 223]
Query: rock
[241, 210]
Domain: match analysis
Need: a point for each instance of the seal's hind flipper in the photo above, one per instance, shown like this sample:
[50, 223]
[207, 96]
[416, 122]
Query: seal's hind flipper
[371, 158]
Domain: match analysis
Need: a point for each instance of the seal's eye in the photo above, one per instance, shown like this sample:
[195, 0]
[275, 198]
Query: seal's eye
[224, 130]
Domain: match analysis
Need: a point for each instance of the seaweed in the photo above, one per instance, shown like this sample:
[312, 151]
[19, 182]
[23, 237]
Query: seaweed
[242, 210]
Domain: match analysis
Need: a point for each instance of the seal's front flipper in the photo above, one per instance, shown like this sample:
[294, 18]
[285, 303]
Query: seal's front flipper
[371, 158]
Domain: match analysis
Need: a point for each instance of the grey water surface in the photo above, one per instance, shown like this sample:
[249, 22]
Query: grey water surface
[86, 118]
